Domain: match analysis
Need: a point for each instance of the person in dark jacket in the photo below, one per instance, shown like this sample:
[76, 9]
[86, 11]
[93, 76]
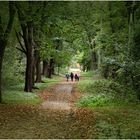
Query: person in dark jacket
[71, 76]
[67, 76]
[76, 77]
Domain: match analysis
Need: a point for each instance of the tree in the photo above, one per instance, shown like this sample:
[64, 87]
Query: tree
[30, 26]
[4, 36]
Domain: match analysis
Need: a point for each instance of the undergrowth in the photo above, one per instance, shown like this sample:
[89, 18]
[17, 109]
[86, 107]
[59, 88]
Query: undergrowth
[88, 74]
[105, 92]
[15, 94]
[117, 107]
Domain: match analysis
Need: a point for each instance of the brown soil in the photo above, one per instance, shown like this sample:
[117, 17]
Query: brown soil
[60, 97]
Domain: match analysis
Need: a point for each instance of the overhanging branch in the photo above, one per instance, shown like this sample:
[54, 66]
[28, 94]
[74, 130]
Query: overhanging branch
[22, 49]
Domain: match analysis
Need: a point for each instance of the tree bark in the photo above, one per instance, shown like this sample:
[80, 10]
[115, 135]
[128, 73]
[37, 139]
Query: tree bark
[58, 69]
[99, 52]
[45, 68]
[131, 13]
[49, 75]
[94, 60]
[28, 40]
[110, 17]
[4, 35]
[38, 68]
[1, 61]
[0, 80]
[28, 76]
[53, 69]
[33, 71]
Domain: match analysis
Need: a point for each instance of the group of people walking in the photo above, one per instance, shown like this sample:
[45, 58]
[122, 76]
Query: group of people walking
[72, 76]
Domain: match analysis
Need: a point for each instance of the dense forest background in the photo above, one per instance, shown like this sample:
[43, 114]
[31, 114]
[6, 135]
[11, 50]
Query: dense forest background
[41, 38]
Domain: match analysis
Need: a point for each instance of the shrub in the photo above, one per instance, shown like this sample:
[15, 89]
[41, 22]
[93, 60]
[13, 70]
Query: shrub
[105, 92]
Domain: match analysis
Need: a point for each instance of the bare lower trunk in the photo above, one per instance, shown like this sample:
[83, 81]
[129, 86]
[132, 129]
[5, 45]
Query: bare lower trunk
[1, 60]
[93, 61]
[45, 68]
[37, 64]
[33, 71]
[99, 59]
[50, 68]
[38, 71]
[28, 76]
[49, 75]
[53, 70]
[106, 72]
[58, 70]
[28, 39]
[2, 48]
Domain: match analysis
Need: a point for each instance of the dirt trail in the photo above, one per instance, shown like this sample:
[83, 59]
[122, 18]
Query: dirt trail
[60, 97]
[56, 118]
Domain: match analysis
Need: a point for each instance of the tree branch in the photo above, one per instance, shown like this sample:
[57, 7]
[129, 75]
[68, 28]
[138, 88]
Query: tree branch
[1, 28]
[22, 46]
[12, 12]
[21, 50]
[21, 34]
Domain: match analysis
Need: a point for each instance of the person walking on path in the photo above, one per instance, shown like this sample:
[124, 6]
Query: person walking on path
[67, 76]
[71, 76]
[76, 77]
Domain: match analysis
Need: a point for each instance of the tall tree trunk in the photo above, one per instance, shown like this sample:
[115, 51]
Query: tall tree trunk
[130, 24]
[45, 68]
[58, 69]
[93, 54]
[110, 17]
[28, 40]
[33, 71]
[99, 58]
[99, 52]
[1, 60]
[53, 69]
[38, 69]
[93, 60]
[4, 35]
[0, 80]
[50, 69]
[28, 76]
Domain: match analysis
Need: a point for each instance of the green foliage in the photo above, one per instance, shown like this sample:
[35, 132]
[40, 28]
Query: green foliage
[88, 74]
[54, 46]
[107, 130]
[48, 82]
[118, 122]
[15, 94]
[92, 101]
[20, 97]
[99, 33]
[13, 65]
[104, 93]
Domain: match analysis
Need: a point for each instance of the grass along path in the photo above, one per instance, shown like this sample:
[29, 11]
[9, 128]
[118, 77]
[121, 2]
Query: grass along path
[16, 95]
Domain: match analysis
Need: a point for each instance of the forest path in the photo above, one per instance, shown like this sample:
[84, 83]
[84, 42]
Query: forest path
[56, 118]
[60, 97]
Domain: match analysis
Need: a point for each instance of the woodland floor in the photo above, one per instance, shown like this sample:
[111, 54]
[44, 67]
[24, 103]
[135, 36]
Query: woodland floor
[58, 117]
